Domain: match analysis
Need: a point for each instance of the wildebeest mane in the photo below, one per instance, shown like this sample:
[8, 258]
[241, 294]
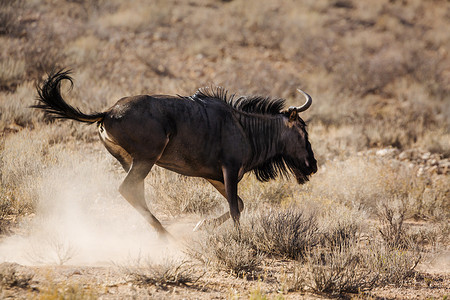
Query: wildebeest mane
[248, 104]
[278, 165]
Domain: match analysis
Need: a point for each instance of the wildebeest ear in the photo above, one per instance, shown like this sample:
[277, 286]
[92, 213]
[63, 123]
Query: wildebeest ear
[293, 114]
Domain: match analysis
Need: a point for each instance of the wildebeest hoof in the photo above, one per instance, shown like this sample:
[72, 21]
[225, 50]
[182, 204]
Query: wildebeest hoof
[204, 224]
[200, 225]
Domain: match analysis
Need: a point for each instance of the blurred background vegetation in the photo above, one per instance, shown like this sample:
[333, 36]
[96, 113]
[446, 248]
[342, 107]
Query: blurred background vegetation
[377, 70]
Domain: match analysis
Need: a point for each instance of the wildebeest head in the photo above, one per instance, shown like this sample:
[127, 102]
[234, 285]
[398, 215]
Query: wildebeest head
[291, 151]
[298, 155]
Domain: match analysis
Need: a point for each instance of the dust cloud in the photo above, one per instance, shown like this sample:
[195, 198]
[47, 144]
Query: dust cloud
[81, 219]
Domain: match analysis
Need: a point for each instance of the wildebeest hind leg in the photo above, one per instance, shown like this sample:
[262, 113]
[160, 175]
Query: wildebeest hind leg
[132, 189]
[219, 220]
[118, 152]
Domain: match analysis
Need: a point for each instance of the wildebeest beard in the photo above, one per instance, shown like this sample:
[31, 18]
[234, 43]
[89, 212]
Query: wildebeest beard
[283, 166]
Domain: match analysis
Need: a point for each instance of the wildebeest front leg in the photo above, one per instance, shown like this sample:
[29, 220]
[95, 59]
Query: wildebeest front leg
[220, 187]
[231, 183]
[132, 189]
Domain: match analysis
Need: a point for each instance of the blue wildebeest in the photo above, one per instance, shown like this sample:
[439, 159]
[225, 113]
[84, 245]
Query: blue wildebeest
[210, 135]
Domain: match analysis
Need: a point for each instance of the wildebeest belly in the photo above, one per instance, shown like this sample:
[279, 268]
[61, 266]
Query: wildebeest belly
[182, 168]
[192, 158]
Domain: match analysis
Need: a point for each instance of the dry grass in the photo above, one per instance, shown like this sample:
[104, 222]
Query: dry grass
[334, 254]
[168, 272]
[378, 74]
[352, 267]
[286, 233]
[365, 181]
[11, 277]
[64, 290]
[230, 250]
[174, 194]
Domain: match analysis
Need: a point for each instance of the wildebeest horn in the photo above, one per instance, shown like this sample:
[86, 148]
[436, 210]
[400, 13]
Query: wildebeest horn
[307, 103]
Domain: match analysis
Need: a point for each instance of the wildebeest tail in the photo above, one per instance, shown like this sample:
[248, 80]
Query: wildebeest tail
[51, 101]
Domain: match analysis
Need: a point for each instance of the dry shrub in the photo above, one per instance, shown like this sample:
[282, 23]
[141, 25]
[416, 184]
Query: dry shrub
[340, 263]
[429, 237]
[20, 166]
[26, 154]
[355, 267]
[347, 259]
[397, 234]
[168, 272]
[286, 233]
[10, 208]
[340, 270]
[228, 249]
[52, 248]
[352, 266]
[236, 257]
[339, 226]
[292, 279]
[392, 215]
[394, 265]
[11, 276]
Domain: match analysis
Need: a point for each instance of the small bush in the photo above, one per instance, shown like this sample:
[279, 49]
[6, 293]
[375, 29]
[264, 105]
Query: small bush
[392, 215]
[393, 265]
[339, 227]
[353, 267]
[167, 272]
[51, 249]
[226, 249]
[292, 279]
[339, 270]
[286, 232]
[10, 276]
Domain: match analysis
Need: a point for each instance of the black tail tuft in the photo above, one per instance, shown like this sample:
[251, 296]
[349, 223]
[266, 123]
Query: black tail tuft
[51, 101]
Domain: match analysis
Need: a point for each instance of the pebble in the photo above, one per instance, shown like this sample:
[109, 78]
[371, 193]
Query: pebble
[424, 161]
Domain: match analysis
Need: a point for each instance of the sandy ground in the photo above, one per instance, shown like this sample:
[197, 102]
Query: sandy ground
[102, 269]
